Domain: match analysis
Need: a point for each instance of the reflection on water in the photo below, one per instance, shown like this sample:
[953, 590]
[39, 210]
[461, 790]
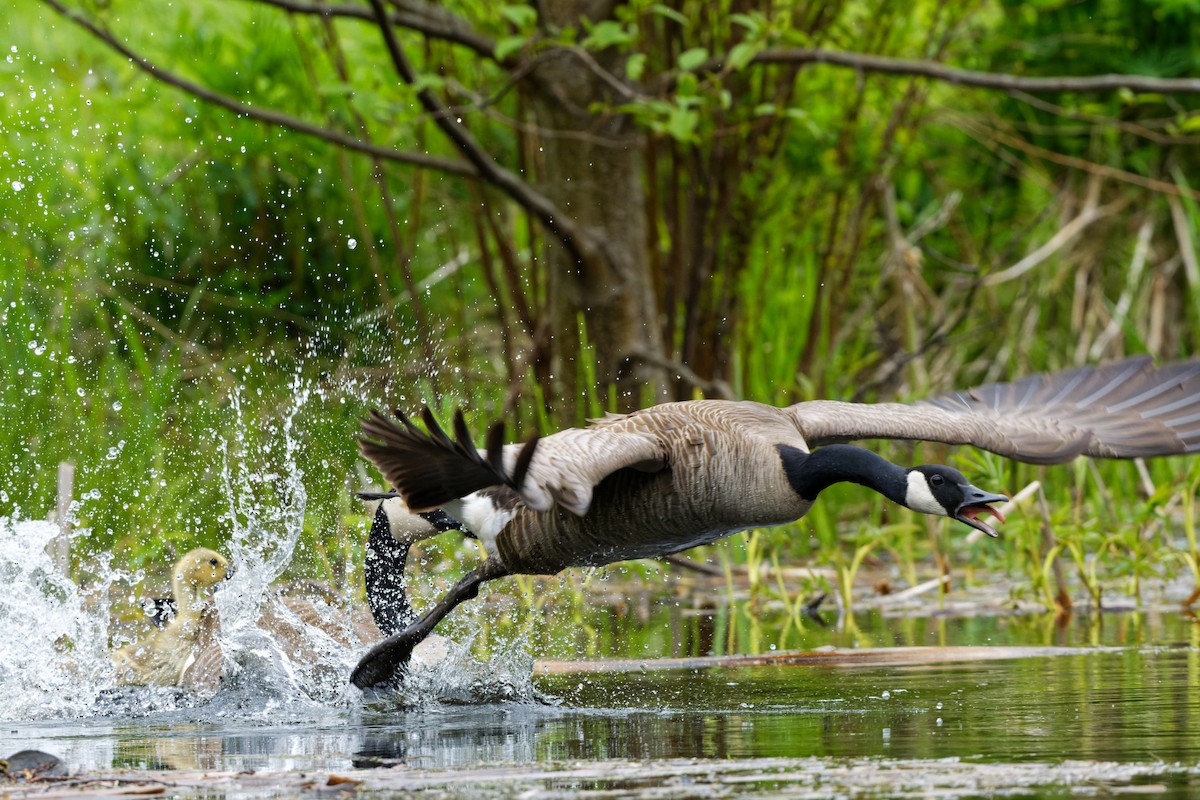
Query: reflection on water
[1131, 705]
[1109, 706]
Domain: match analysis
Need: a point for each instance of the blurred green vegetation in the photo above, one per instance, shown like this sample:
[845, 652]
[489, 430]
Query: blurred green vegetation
[196, 308]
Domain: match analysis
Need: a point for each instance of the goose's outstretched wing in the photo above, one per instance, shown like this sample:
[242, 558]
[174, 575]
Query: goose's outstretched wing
[1125, 409]
[429, 469]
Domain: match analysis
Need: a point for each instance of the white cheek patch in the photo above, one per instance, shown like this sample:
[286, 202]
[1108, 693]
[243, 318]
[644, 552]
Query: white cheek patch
[919, 498]
[483, 519]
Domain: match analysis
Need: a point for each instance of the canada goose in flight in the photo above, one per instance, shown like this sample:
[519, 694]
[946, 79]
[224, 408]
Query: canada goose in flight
[677, 475]
[176, 655]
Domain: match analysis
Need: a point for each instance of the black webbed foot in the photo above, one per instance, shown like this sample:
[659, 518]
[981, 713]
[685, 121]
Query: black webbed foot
[387, 660]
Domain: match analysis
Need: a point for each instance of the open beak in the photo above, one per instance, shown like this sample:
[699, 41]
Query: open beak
[976, 504]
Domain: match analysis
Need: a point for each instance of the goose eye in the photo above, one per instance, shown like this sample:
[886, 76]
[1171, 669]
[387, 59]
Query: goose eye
[213, 561]
[936, 480]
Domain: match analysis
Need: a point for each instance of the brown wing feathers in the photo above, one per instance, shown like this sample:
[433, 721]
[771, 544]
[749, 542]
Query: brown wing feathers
[429, 468]
[1124, 409]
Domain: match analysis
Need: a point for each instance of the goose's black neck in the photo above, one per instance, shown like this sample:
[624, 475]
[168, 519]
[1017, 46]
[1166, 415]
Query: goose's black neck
[384, 567]
[810, 473]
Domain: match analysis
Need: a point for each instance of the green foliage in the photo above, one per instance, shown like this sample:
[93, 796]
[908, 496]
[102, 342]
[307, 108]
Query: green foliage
[174, 277]
[607, 33]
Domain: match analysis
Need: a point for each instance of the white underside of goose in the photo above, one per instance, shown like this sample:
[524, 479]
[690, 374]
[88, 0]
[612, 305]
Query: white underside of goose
[481, 517]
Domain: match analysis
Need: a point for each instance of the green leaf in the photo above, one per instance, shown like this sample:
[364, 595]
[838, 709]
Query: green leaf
[742, 54]
[522, 16]
[687, 85]
[607, 33]
[690, 59]
[681, 124]
[1190, 124]
[748, 22]
[670, 13]
[635, 66]
[507, 46]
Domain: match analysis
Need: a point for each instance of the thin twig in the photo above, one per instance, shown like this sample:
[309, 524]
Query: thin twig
[1164, 187]
[1062, 597]
[1132, 128]
[1187, 250]
[440, 25]
[176, 287]
[1056, 242]
[175, 339]
[619, 86]
[712, 388]
[1133, 281]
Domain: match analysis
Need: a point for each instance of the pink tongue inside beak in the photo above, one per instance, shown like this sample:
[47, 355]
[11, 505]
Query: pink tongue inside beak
[975, 512]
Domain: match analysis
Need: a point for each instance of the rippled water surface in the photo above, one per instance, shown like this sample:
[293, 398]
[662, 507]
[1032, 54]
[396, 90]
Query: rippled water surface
[1120, 694]
[1132, 705]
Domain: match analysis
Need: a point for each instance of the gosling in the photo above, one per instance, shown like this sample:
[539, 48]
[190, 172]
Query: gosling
[185, 652]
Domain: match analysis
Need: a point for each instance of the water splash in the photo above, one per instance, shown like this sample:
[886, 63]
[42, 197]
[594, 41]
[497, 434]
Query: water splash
[277, 650]
[54, 657]
[280, 650]
[265, 489]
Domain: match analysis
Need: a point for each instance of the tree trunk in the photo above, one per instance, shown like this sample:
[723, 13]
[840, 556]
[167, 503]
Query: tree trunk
[592, 169]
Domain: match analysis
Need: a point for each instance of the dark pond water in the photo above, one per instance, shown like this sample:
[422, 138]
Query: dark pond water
[1121, 688]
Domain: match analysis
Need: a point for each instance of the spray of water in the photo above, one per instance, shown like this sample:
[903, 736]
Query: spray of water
[279, 652]
[54, 655]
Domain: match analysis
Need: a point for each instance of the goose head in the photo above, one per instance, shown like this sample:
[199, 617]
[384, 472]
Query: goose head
[931, 489]
[944, 491]
[198, 572]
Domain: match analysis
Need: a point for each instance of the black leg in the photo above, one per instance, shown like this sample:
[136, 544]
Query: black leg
[382, 661]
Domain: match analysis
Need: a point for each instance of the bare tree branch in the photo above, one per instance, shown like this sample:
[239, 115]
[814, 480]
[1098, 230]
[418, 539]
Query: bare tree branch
[965, 77]
[563, 227]
[1064, 236]
[269, 116]
[434, 22]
